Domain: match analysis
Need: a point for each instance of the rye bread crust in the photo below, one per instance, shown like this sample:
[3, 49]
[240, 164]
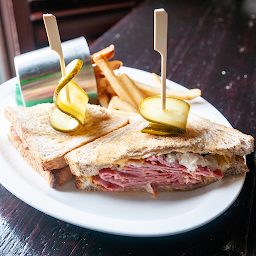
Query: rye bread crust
[54, 178]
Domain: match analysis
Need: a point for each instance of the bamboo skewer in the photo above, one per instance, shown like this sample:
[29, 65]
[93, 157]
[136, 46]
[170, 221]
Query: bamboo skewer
[160, 45]
[55, 44]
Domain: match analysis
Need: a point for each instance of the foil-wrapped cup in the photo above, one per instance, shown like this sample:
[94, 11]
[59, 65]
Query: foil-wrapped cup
[39, 72]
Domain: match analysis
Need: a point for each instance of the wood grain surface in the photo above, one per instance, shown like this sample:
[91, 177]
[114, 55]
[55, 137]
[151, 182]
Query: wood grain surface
[211, 46]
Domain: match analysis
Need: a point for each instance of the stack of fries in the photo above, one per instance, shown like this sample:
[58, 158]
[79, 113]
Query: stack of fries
[120, 92]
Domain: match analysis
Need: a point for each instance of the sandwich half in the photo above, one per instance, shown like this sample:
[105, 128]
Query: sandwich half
[128, 160]
[44, 148]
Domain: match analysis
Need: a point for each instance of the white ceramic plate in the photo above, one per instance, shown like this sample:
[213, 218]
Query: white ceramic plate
[123, 214]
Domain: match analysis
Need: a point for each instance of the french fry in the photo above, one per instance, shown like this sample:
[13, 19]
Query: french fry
[104, 90]
[116, 84]
[104, 100]
[117, 103]
[112, 104]
[107, 52]
[183, 95]
[114, 64]
[102, 84]
[136, 93]
[156, 80]
[111, 91]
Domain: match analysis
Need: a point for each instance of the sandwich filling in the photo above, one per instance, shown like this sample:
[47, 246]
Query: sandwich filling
[172, 170]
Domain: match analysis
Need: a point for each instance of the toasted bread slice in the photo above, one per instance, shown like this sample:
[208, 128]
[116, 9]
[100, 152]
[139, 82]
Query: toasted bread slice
[50, 146]
[202, 137]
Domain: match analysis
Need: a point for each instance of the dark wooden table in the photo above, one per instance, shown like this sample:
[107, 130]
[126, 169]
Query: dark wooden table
[212, 46]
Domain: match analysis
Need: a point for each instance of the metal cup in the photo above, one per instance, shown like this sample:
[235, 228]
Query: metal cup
[39, 71]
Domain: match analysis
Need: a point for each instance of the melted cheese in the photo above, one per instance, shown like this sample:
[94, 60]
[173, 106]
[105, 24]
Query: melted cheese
[121, 163]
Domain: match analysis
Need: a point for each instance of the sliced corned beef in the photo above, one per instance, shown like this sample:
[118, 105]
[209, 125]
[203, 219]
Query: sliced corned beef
[151, 173]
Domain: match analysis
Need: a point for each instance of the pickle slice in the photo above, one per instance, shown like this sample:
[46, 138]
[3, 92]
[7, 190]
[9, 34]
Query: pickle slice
[78, 101]
[69, 116]
[62, 122]
[72, 70]
[175, 116]
[160, 129]
[78, 98]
